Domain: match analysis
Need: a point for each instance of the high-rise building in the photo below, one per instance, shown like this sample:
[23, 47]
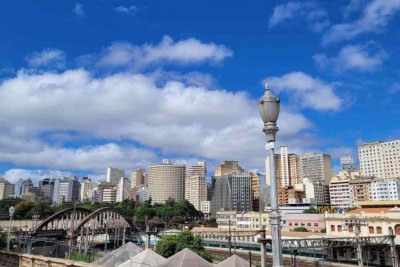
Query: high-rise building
[347, 163]
[278, 171]
[255, 191]
[315, 192]
[360, 189]
[315, 168]
[6, 189]
[200, 169]
[88, 188]
[339, 189]
[123, 189]
[106, 192]
[380, 159]
[166, 180]
[285, 175]
[114, 175]
[46, 187]
[67, 189]
[197, 190]
[227, 167]
[138, 178]
[232, 192]
[385, 189]
[294, 169]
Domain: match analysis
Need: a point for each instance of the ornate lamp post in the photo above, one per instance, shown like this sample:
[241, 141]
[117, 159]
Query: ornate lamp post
[11, 210]
[269, 106]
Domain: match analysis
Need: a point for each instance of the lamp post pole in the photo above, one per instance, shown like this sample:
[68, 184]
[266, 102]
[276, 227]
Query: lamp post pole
[269, 106]
[11, 211]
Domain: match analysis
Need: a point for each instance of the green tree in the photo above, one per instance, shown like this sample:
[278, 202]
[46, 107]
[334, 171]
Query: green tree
[310, 210]
[300, 229]
[23, 208]
[169, 245]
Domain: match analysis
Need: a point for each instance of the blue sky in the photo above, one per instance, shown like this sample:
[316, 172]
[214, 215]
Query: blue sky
[90, 84]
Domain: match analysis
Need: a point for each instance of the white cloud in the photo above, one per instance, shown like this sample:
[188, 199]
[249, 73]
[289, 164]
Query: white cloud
[394, 88]
[353, 6]
[364, 58]
[165, 118]
[79, 11]
[49, 57]
[186, 51]
[126, 10]
[316, 17]
[375, 17]
[307, 91]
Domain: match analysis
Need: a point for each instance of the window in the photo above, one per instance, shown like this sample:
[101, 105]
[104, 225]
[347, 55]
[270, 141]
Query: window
[379, 230]
[371, 229]
[339, 228]
[332, 228]
[351, 229]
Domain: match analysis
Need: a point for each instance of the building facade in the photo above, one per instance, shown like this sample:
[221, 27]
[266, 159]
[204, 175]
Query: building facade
[6, 189]
[198, 170]
[67, 189]
[114, 175]
[197, 190]
[167, 180]
[227, 167]
[347, 163]
[380, 159]
[123, 189]
[315, 168]
[385, 189]
[138, 178]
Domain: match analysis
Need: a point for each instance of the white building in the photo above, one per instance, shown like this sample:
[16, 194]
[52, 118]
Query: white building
[205, 207]
[285, 175]
[123, 190]
[380, 159]
[66, 190]
[347, 163]
[87, 190]
[314, 192]
[200, 169]
[340, 190]
[114, 175]
[197, 190]
[385, 189]
[109, 194]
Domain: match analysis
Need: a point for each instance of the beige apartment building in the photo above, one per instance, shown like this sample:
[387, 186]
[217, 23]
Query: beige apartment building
[197, 190]
[227, 167]
[340, 191]
[200, 170]
[166, 180]
[380, 159]
[6, 188]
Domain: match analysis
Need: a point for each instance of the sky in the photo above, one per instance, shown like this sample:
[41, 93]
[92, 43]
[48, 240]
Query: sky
[125, 83]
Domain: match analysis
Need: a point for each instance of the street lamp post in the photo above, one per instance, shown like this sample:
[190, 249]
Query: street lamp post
[269, 106]
[11, 210]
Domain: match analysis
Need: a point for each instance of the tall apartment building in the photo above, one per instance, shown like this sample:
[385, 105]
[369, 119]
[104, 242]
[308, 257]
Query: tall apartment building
[88, 188]
[66, 190]
[285, 175]
[232, 192]
[6, 188]
[255, 191]
[339, 189]
[287, 168]
[138, 178]
[200, 169]
[347, 163]
[123, 189]
[197, 190]
[360, 189]
[294, 169]
[380, 159]
[315, 192]
[46, 187]
[166, 180]
[227, 167]
[315, 168]
[114, 175]
[385, 189]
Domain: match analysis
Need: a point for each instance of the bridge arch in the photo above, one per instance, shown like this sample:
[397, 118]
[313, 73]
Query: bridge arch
[62, 219]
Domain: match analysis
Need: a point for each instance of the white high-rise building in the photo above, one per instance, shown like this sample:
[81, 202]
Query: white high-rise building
[123, 189]
[197, 188]
[87, 190]
[347, 164]
[380, 159]
[285, 175]
[385, 189]
[340, 190]
[114, 175]
[200, 169]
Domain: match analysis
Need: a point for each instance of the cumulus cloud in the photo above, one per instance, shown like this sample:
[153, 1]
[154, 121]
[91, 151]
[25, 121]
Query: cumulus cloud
[314, 15]
[152, 117]
[307, 91]
[78, 10]
[375, 16]
[126, 10]
[364, 58]
[49, 57]
[185, 52]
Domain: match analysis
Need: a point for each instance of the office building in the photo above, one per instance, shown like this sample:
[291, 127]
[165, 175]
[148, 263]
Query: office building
[347, 163]
[123, 189]
[315, 168]
[46, 187]
[199, 170]
[138, 178]
[360, 189]
[167, 180]
[142, 194]
[114, 175]
[205, 208]
[380, 159]
[278, 171]
[294, 169]
[227, 167]
[339, 189]
[284, 162]
[67, 190]
[106, 192]
[197, 190]
[6, 189]
[315, 192]
[232, 192]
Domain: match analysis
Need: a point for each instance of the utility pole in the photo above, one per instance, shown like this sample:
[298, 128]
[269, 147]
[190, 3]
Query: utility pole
[393, 251]
[357, 223]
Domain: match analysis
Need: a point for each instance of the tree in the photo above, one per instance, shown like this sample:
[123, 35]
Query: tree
[310, 210]
[323, 230]
[169, 245]
[177, 220]
[156, 222]
[300, 229]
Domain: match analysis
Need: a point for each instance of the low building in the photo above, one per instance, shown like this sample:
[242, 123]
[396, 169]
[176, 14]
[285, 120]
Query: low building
[226, 218]
[259, 221]
[205, 208]
[312, 222]
[376, 221]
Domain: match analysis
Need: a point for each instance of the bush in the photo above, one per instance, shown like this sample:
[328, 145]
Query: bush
[300, 229]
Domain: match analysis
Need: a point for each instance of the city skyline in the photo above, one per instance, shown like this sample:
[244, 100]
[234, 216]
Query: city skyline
[184, 86]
